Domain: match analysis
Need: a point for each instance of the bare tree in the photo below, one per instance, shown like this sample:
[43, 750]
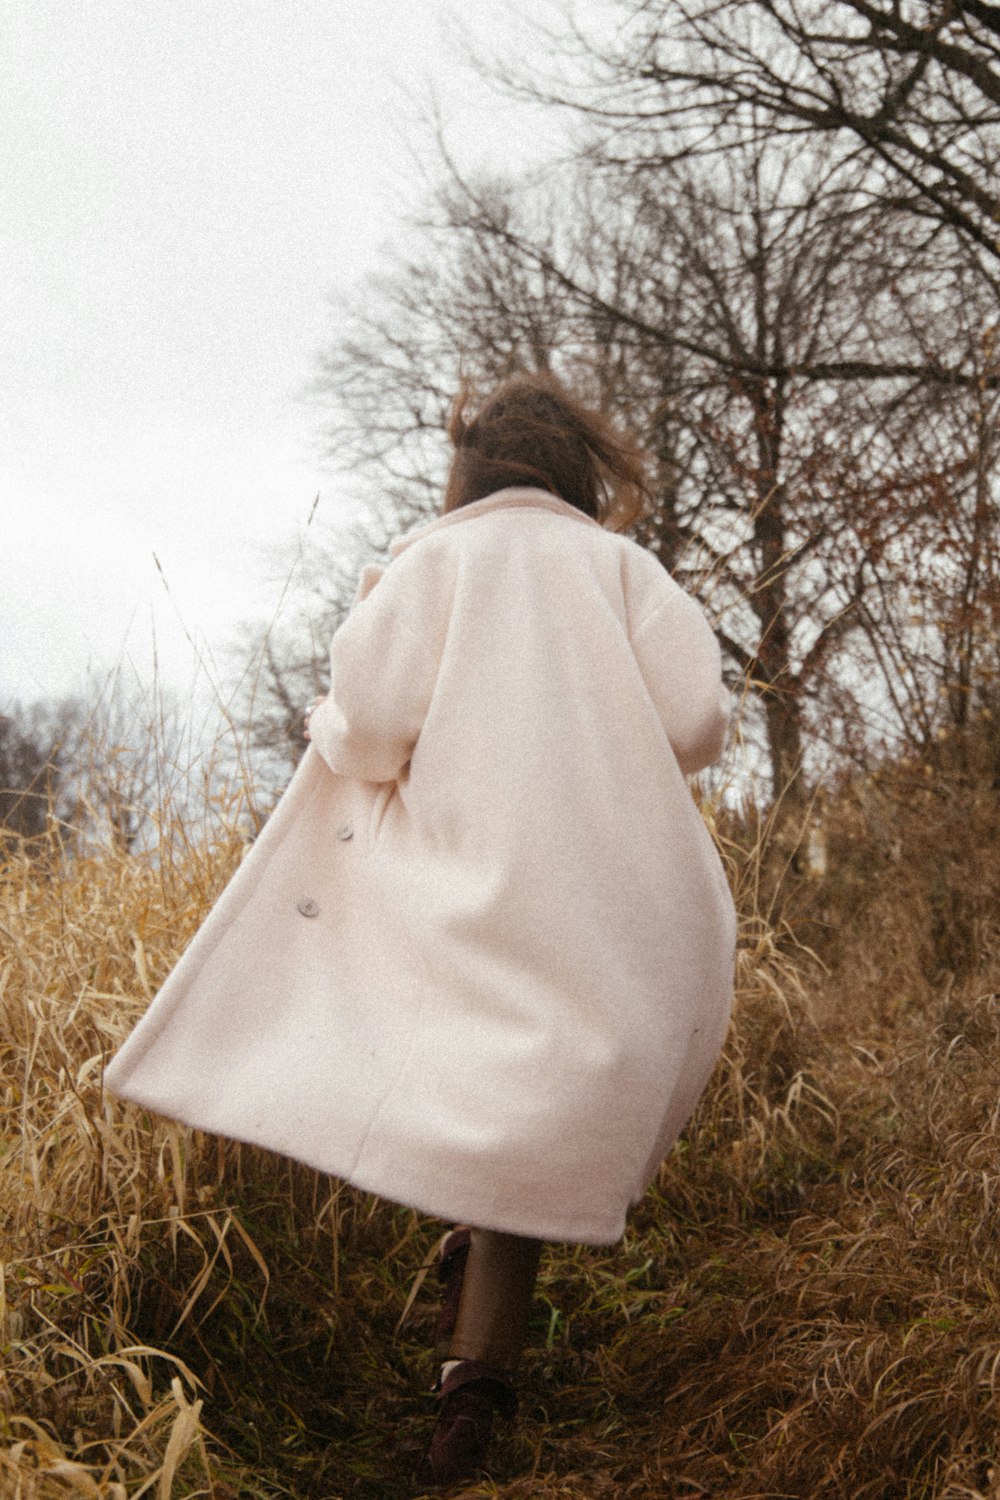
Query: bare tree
[908, 88]
[132, 761]
[282, 663]
[31, 771]
[932, 617]
[774, 257]
[762, 330]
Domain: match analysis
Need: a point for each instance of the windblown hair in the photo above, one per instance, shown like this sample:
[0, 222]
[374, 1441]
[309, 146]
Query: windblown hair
[531, 431]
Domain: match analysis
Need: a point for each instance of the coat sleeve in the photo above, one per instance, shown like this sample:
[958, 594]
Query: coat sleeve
[383, 666]
[681, 664]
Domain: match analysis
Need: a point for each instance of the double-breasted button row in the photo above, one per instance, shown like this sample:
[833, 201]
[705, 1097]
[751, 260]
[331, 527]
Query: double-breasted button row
[308, 906]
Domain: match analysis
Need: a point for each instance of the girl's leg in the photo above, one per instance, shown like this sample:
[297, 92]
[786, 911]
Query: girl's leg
[491, 1280]
[495, 1300]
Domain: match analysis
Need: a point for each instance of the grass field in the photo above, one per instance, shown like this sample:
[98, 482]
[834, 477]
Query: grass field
[806, 1304]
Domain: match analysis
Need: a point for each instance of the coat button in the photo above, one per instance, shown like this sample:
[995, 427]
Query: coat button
[308, 907]
[345, 832]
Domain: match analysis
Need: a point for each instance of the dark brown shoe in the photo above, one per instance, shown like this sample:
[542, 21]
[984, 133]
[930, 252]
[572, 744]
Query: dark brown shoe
[470, 1396]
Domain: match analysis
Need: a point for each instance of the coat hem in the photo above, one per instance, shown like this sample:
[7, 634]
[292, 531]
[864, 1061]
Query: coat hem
[445, 1208]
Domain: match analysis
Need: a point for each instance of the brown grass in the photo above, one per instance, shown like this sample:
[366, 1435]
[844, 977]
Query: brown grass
[807, 1304]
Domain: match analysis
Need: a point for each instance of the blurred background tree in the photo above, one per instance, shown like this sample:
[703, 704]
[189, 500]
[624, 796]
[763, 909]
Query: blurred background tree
[30, 771]
[105, 768]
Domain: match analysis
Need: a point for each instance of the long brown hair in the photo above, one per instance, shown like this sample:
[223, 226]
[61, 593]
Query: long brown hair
[531, 431]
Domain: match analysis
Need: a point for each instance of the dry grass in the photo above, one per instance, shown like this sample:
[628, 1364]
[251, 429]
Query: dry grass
[807, 1304]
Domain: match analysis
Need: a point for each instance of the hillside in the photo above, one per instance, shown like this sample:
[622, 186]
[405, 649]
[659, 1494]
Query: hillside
[805, 1305]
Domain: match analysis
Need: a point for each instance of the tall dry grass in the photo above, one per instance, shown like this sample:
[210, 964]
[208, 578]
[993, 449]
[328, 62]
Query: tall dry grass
[806, 1304]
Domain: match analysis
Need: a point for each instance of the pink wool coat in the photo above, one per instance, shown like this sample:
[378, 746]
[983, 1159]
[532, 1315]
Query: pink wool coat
[480, 959]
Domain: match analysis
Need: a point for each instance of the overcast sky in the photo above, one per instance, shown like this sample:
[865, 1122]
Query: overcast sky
[184, 183]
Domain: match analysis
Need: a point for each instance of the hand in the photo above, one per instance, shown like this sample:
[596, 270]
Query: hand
[310, 710]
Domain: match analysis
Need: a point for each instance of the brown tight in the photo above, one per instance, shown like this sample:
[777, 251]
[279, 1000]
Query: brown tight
[497, 1289]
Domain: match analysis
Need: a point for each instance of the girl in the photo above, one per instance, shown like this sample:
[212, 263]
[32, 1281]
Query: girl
[480, 959]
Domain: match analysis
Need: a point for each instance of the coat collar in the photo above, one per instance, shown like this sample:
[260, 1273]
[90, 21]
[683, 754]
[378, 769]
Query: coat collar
[515, 498]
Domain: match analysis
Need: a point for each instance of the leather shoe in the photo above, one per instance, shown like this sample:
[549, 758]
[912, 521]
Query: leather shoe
[470, 1395]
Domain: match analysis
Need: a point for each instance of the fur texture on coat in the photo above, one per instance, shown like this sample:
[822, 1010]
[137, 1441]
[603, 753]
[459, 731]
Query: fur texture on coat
[480, 959]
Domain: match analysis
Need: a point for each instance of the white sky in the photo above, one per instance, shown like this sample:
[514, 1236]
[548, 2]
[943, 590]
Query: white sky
[183, 183]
